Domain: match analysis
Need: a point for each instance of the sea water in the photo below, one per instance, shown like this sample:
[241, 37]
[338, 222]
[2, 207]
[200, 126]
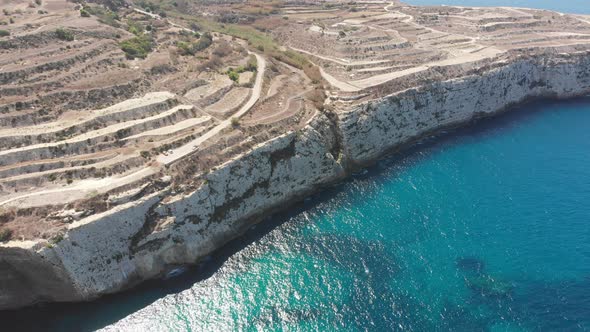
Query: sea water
[565, 6]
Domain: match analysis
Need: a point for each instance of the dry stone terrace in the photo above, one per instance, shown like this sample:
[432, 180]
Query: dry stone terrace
[85, 127]
[365, 45]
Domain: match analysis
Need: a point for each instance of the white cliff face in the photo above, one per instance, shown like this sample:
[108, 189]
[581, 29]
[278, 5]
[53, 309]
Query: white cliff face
[373, 128]
[107, 252]
[136, 241]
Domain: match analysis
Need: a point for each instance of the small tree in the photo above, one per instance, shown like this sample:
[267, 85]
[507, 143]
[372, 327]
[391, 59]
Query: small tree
[235, 122]
[4, 33]
[64, 34]
[233, 75]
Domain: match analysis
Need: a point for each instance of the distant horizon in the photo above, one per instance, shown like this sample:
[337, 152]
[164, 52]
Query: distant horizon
[570, 6]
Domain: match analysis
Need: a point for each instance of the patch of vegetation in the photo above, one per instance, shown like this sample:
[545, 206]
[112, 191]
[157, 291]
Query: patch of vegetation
[5, 235]
[64, 34]
[57, 239]
[4, 33]
[137, 47]
[135, 28]
[84, 13]
[145, 154]
[256, 40]
[148, 6]
[113, 5]
[104, 15]
[235, 122]
[192, 47]
[234, 76]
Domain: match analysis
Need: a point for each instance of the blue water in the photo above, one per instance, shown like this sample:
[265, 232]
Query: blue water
[565, 6]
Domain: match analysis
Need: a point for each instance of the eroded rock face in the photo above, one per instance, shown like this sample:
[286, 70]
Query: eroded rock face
[372, 128]
[107, 252]
[136, 241]
[28, 277]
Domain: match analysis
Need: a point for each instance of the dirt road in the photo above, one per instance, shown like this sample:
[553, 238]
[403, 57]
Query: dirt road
[190, 147]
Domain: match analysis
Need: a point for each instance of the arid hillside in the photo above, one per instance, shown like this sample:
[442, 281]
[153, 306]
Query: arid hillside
[99, 106]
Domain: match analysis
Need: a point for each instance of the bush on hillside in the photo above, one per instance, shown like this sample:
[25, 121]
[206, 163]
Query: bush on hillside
[233, 75]
[137, 47]
[4, 33]
[64, 34]
[191, 48]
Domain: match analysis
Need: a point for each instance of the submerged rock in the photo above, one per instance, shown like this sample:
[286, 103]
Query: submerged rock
[470, 264]
[489, 286]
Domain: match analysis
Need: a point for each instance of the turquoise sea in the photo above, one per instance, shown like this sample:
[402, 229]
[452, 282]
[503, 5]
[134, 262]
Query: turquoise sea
[565, 6]
[479, 229]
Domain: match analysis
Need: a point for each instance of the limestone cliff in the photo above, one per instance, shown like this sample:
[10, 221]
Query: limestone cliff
[373, 128]
[135, 241]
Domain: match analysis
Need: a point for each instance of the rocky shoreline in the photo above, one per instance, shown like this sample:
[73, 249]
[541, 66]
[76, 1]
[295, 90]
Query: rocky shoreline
[143, 239]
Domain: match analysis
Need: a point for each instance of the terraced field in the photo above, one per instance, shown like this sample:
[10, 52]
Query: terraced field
[373, 43]
[84, 126]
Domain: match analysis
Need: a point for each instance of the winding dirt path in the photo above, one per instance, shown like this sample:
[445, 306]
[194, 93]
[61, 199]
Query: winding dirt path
[190, 147]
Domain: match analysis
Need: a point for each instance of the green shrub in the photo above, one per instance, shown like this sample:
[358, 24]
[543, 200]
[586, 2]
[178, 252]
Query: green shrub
[64, 34]
[84, 13]
[135, 28]
[233, 75]
[4, 33]
[235, 122]
[191, 48]
[5, 235]
[137, 47]
[104, 15]
[148, 6]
